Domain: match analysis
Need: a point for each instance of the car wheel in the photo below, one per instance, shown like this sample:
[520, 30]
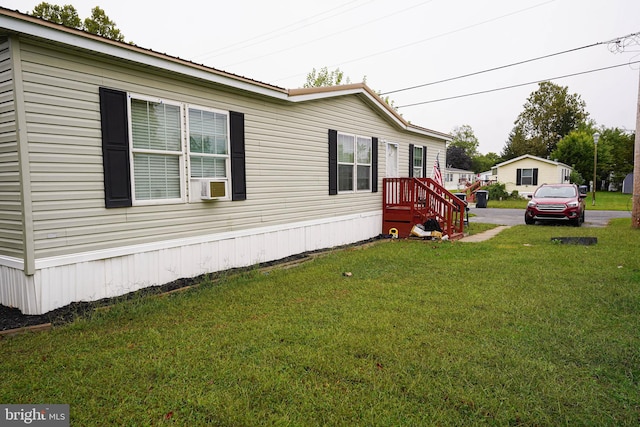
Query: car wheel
[529, 220]
[577, 222]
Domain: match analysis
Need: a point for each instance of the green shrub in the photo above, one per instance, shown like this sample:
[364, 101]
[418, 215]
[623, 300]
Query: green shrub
[497, 191]
[576, 178]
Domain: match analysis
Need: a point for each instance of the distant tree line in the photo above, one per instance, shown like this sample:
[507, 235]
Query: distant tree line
[98, 23]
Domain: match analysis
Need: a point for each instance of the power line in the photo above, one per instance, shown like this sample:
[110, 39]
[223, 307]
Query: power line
[505, 66]
[333, 34]
[432, 37]
[280, 31]
[517, 85]
[488, 70]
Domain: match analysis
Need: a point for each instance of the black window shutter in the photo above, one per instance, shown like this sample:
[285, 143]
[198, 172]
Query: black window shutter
[374, 165]
[535, 176]
[424, 162]
[115, 148]
[333, 162]
[519, 177]
[238, 173]
[410, 160]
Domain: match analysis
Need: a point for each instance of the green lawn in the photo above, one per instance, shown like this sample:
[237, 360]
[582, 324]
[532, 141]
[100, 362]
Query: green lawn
[518, 330]
[604, 201]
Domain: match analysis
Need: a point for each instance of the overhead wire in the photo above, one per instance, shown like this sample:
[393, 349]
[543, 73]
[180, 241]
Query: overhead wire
[333, 34]
[303, 23]
[457, 30]
[506, 66]
[517, 85]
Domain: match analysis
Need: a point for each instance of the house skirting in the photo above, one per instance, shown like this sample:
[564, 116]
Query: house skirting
[91, 276]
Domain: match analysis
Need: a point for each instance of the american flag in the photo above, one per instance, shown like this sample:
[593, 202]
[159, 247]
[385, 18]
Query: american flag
[436, 174]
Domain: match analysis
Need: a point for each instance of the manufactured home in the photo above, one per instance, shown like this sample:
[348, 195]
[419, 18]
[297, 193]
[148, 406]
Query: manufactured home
[123, 168]
[525, 173]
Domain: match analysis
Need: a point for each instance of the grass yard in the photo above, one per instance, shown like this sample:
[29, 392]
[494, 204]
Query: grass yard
[604, 201]
[518, 330]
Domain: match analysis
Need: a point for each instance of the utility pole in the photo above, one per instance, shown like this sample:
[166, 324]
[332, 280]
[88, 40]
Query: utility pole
[618, 46]
[635, 212]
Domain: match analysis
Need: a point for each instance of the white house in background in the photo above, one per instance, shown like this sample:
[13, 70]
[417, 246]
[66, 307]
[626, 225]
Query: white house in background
[458, 179]
[487, 177]
[525, 173]
[123, 168]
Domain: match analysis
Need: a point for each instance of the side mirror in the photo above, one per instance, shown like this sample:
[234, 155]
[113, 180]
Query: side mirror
[530, 196]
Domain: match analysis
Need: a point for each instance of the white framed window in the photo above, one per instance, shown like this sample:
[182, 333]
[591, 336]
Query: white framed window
[170, 138]
[418, 165]
[527, 177]
[157, 155]
[354, 163]
[208, 147]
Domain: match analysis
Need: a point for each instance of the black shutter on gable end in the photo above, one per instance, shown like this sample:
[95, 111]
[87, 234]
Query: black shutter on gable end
[374, 165]
[238, 172]
[115, 148]
[424, 162]
[519, 177]
[410, 160]
[535, 176]
[333, 162]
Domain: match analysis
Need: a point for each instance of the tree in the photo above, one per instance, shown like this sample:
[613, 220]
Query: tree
[324, 77]
[66, 15]
[549, 114]
[484, 162]
[458, 158]
[518, 145]
[576, 150]
[464, 138]
[99, 23]
[622, 145]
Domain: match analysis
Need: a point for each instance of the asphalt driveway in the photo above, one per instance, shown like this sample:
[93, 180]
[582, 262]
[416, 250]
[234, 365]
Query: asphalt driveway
[516, 216]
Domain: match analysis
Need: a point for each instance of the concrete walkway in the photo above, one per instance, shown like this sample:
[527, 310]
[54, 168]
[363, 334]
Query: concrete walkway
[486, 235]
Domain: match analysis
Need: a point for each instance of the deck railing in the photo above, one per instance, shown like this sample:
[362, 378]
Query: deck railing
[424, 198]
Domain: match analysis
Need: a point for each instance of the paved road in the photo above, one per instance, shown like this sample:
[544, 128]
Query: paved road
[516, 216]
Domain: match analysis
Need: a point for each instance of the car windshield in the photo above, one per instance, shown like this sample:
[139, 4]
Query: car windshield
[555, 192]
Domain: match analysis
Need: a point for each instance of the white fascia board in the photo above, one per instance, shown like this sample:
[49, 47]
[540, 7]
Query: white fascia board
[129, 54]
[360, 91]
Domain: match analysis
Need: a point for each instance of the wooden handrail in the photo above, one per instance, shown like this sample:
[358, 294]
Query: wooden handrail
[425, 198]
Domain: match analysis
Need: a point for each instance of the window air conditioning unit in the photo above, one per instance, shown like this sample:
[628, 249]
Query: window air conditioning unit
[212, 190]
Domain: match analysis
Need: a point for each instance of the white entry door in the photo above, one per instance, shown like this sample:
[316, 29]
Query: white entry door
[392, 160]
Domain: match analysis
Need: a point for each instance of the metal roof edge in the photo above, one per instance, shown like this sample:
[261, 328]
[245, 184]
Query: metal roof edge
[15, 22]
[19, 23]
[313, 93]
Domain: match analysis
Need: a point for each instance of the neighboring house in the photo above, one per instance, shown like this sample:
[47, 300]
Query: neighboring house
[122, 168]
[525, 173]
[458, 179]
[487, 177]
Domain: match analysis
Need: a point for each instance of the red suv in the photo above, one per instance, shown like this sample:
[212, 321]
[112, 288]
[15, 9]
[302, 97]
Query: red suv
[556, 202]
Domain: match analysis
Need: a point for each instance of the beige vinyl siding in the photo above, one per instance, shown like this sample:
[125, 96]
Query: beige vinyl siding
[547, 173]
[286, 156]
[11, 225]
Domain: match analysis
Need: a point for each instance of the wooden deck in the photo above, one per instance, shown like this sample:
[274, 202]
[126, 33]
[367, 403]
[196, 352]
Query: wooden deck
[411, 201]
